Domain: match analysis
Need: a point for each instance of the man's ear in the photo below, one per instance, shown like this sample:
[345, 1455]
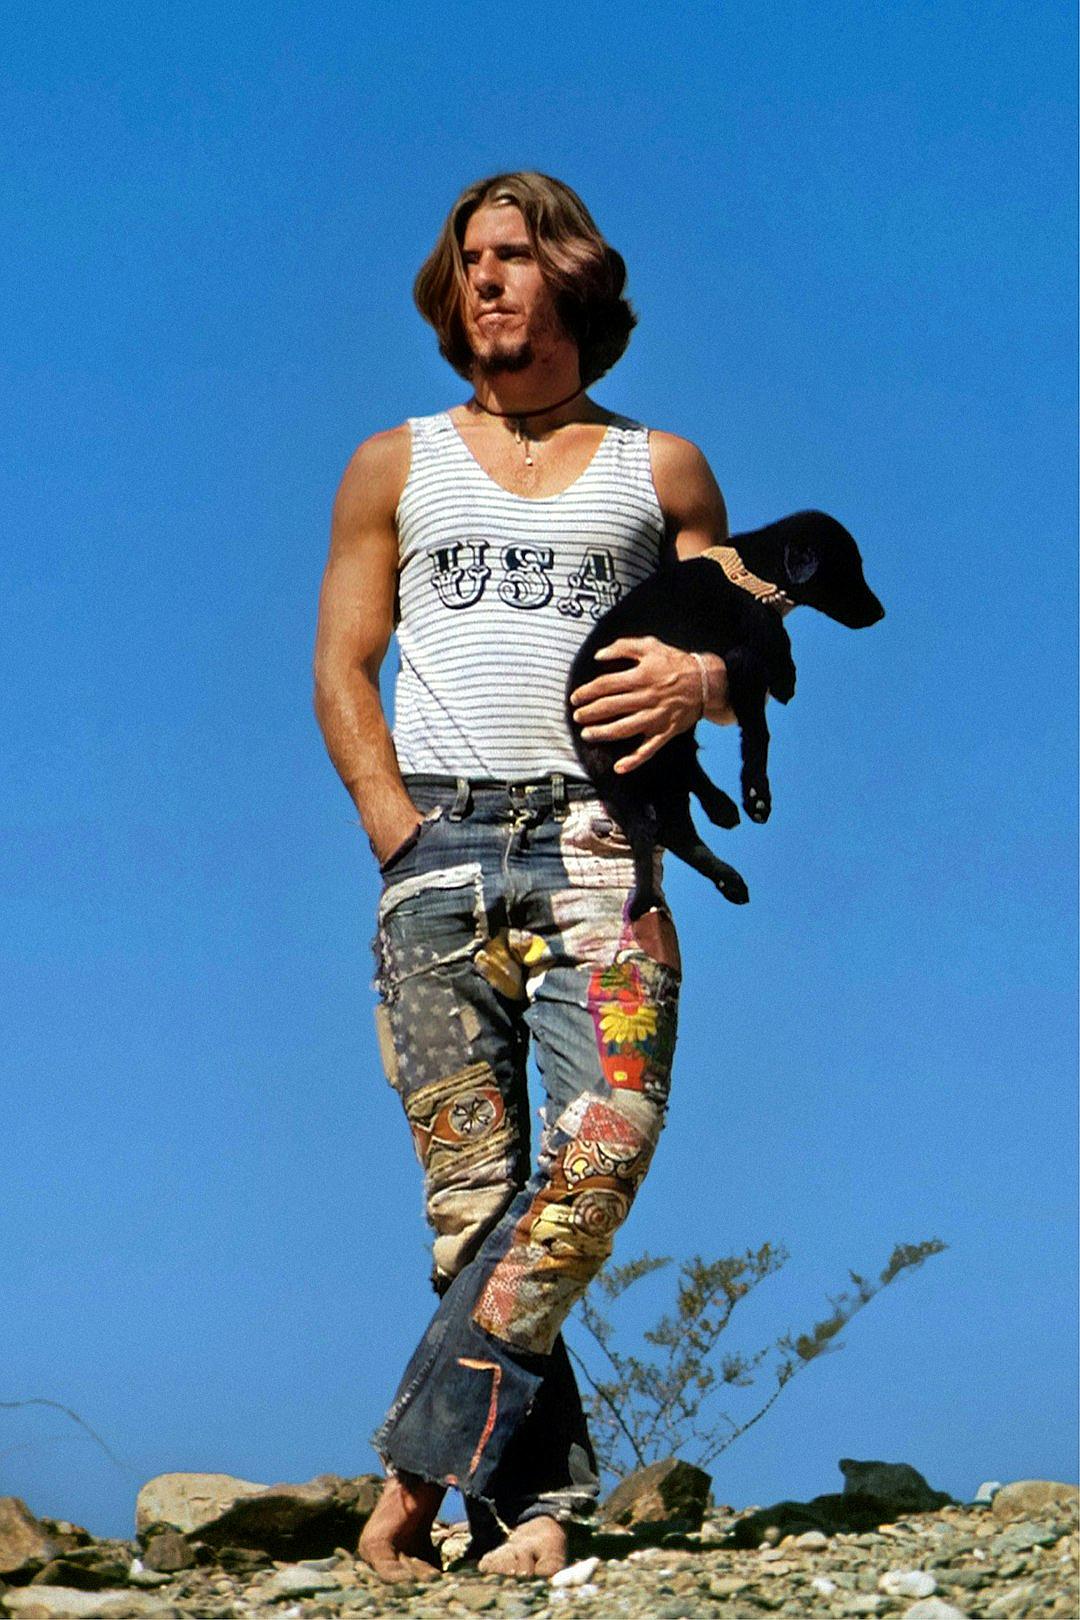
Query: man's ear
[800, 562]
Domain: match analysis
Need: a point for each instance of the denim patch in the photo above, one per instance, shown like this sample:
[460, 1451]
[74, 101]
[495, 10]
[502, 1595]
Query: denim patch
[430, 927]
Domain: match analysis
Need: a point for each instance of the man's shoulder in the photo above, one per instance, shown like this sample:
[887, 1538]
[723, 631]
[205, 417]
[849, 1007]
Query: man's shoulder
[377, 471]
[385, 446]
[672, 451]
[381, 457]
[686, 488]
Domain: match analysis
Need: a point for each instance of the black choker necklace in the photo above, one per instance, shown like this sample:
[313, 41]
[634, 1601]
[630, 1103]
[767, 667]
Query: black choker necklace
[520, 418]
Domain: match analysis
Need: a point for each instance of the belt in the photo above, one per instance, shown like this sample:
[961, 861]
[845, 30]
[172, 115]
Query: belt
[556, 787]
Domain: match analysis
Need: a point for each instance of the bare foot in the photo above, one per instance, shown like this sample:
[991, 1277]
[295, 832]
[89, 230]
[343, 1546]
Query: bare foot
[537, 1547]
[396, 1541]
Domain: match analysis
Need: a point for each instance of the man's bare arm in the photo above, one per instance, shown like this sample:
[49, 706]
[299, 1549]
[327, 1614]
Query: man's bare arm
[356, 621]
[663, 693]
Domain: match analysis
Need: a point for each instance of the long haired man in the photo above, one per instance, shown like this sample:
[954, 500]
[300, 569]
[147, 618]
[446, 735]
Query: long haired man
[490, 537]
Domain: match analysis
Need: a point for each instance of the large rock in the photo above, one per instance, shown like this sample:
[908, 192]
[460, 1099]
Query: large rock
[1035, 1496]
[167, 1551]
[897, 1483]
[286, 1521]
[25, 1543]
[188, 1501]
[45, 1602]
[671, 1492]
[90, 1569]
[67, 1536]
[897, 1489]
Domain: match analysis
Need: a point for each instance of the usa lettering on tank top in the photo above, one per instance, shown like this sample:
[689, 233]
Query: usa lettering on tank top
[496, 593]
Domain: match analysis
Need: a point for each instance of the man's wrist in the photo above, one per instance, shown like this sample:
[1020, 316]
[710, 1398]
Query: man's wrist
[703, 676]
[715, 697]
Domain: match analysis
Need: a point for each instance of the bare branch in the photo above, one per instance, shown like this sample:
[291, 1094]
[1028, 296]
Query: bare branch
[36, 1400]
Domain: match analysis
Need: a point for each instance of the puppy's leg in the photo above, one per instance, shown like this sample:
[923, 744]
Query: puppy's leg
[748, 688]
[720, 809]
[678, 834]
[637, 818]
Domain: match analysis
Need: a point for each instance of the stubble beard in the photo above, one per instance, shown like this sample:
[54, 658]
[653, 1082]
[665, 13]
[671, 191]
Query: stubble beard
[499, 361]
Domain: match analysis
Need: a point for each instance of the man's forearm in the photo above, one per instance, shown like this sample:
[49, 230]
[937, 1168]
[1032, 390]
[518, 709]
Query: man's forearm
[357, 737]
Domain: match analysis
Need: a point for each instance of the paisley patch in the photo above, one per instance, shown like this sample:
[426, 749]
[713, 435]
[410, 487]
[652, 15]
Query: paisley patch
[566, 1234]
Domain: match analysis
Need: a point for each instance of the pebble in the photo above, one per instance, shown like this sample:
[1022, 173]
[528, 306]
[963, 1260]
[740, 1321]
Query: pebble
[812, 1540]
[915, 1583]
[576, 1574]
[1022, 1537]
[300, 1580]
[1017, 1600]
[139, 1575]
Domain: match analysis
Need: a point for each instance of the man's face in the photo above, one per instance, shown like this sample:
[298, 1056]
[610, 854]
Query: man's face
[509, 314]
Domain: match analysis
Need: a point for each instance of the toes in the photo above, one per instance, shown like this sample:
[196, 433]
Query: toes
[503, 1561]
[419, 1569]
[390, 1565]
[548, 1565]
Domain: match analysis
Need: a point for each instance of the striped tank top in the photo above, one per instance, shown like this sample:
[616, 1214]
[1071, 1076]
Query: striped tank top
[496, 593]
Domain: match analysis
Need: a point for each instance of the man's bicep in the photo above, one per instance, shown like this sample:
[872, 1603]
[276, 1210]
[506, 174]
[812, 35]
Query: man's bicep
[691, 500]
[356, 607]
[356, 603]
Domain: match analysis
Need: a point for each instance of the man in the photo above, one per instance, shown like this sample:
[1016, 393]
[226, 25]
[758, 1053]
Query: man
[492, 536]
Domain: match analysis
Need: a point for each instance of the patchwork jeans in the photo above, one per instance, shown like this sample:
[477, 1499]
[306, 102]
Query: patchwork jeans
[503, 921]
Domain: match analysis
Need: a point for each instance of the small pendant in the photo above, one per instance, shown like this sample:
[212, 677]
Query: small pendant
[521, 434]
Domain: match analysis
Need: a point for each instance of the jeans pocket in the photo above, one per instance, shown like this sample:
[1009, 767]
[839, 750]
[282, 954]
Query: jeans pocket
[409, 844]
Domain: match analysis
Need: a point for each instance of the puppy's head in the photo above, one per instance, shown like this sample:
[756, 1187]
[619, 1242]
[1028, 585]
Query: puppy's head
[814, 560]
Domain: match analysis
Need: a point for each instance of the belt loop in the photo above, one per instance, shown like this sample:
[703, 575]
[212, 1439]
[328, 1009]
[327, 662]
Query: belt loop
[462, 800]
[559, 802]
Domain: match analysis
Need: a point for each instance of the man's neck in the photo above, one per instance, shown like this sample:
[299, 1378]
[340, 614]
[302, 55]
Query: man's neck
[532, 393]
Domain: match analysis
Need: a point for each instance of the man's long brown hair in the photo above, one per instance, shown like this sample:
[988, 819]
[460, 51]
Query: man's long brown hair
[585, 275]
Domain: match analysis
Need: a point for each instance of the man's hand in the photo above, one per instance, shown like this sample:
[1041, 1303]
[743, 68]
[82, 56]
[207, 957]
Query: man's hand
[391, 835]
[657, 698]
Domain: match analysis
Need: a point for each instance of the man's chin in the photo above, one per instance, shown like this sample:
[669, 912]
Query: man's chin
[497, 362]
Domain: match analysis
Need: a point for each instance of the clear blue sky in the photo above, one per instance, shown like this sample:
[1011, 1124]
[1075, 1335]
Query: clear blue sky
[849, 230]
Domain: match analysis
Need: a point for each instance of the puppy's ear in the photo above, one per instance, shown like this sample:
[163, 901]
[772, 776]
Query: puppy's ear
[800, 562]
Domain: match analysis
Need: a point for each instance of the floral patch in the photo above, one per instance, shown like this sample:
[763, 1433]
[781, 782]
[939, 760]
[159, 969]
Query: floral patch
[633, 1009]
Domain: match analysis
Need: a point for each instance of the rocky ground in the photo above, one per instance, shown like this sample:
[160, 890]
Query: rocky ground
[1014, 1555]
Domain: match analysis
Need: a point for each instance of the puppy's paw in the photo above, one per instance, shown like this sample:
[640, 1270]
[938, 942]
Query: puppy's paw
[641, 901]
[723, 812]
[757, 800]
[732, 886]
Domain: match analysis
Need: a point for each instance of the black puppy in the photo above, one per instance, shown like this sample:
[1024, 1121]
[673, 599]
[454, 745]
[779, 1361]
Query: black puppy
[729, 601]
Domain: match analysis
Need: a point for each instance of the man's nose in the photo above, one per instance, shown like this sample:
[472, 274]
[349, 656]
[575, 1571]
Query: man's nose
[487, 276]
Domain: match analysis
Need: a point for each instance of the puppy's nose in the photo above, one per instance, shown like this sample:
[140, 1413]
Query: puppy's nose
[868, 612]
